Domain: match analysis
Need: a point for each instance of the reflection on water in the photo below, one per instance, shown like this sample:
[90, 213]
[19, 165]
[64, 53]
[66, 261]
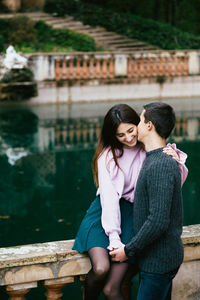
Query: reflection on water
[46, 182]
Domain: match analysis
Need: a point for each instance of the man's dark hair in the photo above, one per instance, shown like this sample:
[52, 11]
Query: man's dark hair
[162, 116]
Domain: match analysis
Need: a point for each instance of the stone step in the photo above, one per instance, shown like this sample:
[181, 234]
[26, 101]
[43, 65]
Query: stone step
[134, 44]
[107, 39]
[93, 30]
[129, 49]
[70, 23]
[74, 28]
[117, 40]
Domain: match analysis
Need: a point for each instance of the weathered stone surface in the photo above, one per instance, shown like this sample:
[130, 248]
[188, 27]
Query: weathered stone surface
[23, 286]
[192, 253]
[191, 234]
[35, 253]
[186, 285]
[74, 267]
[26, 274]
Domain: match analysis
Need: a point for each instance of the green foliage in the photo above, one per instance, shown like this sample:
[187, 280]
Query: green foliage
[3, 8]
[16, 92]
[18, 75]
[1, 43]
[52, 6]
[12, 90]
[4, 23]
[21, 30]
[64, 38]
[155, 33]
[29, 36]
[183, 14]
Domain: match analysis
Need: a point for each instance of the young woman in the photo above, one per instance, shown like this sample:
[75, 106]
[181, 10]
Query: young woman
[108, 223]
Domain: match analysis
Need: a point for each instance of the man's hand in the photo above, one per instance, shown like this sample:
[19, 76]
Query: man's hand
[118, 255]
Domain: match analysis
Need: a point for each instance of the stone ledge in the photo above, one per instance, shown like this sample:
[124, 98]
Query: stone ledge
[62, 250]
[191, 234]
[37, 254]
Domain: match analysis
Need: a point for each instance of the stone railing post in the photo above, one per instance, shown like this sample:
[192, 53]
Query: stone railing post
[55, 286]
[18, 291]
[194, 63]
[121, 65]
[43, 67]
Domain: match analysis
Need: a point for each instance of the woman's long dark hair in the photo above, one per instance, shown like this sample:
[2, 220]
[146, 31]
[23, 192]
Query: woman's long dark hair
[120, 113]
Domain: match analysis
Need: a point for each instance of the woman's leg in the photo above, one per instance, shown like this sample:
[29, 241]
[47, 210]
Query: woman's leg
[112, 288]
[126, 287]
[96, 278]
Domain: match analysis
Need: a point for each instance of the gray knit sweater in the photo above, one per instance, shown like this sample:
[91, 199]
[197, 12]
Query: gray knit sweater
[157, 215]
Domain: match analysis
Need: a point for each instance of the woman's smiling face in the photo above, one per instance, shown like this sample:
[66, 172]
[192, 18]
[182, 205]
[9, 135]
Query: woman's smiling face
[127, 134]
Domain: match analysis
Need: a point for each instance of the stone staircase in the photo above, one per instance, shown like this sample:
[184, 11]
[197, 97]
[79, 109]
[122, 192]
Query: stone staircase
[110, 41]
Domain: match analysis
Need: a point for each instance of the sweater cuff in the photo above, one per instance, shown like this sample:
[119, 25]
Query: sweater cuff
[130, 250]
[115, 241]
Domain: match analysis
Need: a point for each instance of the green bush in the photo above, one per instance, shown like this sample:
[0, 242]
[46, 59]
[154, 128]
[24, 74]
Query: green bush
[18, 92]
[18, 75]
[15, 92]
[21, 30]
[147, 30]
[29, 36]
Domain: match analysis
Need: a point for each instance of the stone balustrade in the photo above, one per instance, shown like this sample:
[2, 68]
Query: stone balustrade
[105, 65]
[84, 67]
[55, 265]
[112, 76]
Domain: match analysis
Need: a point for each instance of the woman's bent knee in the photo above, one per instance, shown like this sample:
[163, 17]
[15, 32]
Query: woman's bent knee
[101, 270]
[110, 290]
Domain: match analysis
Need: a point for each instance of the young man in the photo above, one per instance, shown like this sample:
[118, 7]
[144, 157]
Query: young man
[157, 213]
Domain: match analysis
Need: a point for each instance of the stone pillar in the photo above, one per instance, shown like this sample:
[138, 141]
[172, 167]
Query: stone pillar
[121, 63]
[54, 287]
[43, 67]
[192, 128]
[18, 291]
[13, 5]
[194, 63]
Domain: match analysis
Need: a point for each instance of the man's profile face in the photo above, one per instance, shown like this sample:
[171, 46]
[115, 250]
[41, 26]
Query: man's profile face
[142, 127]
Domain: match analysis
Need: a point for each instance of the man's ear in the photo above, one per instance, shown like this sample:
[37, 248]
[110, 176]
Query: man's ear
[149, 125]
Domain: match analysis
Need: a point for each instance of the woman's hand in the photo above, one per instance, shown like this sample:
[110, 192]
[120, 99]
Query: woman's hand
[118, 255]
[170, 151]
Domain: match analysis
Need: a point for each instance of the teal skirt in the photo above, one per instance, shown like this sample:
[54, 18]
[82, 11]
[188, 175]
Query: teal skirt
[91, 233]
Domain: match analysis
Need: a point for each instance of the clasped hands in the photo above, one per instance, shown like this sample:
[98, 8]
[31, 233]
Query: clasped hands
[118, 254]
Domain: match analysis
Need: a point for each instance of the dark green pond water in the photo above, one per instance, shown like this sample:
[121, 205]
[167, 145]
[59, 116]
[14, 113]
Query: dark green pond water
[46, 182]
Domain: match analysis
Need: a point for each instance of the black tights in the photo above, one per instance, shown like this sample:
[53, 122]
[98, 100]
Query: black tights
[104, 275]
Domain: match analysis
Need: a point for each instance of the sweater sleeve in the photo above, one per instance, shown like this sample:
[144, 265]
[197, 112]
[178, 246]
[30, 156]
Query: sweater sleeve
[160, 185]
[111, 216]
[181, 163]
